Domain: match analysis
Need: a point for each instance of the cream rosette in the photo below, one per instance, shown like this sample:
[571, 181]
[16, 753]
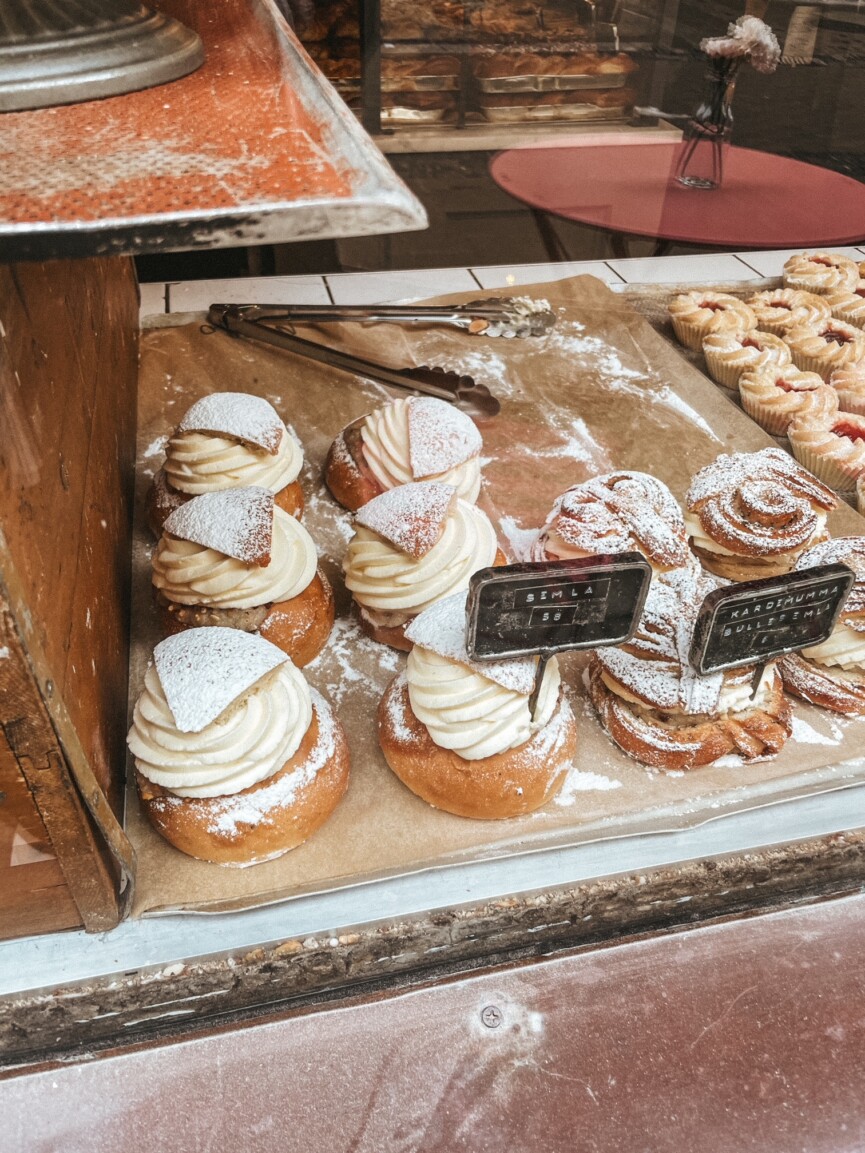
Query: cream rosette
[616, 512]
[415, 545]
[728, 355]
[761, 508]
[228, 727]
[825, 347]
[775, 396]
[190, 573]
[785, 308]
[695, 315]
[832, 674]
[422, 438]
[231, 440]
[820, 272]
[832, 449]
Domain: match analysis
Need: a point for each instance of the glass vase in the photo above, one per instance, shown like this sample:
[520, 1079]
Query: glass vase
[707, 135]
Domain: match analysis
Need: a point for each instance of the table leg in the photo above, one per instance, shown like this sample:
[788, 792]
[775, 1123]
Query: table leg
[550, 239]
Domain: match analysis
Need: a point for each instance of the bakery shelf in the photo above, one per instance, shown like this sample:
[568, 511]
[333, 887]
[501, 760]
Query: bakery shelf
[254, 147]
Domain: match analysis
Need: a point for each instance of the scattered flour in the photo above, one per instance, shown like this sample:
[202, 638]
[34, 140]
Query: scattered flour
[583, 782]
[155, 448]
[806, 735]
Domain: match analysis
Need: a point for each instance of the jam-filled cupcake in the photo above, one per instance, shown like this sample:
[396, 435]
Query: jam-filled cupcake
[659, 711]
[831, 447]
[696, 315]
[414, 546]
[775, 396]
[461, 734]
[237, 759]
[415, 438]
[832, 675]
[825, 347]
[787, 307]
[752, 514]
[616, 512]
[235, 559]
[820, 272]
[227, 440]
[729, 354]
[848, 384]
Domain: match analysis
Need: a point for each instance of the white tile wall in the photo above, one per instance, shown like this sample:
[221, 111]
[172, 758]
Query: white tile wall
[416, 284]
[504, 275]
[702, 269]
[772, 263]
[152, 300]
[198, 295]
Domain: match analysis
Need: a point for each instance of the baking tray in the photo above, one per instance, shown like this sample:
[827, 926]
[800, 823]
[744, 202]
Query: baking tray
[571, 113]
[559, 83]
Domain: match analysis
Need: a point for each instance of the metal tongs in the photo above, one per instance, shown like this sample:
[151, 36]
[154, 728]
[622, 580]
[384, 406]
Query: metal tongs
[516, 316]
[264, 323]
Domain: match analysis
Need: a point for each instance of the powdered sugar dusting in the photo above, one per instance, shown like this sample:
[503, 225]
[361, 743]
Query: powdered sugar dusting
[806, 735]
[239, 415]
[203, 671]
[411, 517]
[347, 657]
[578, 781]
[440, 436]
[232, 815]
[237, 522]
[442, 629]
[521, 541]
[396, 715]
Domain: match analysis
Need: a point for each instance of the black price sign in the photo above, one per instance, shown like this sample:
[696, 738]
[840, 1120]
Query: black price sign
[754, 622]
[554, 605]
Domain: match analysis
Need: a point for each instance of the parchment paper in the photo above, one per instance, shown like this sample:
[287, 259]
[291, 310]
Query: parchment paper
[601, 391]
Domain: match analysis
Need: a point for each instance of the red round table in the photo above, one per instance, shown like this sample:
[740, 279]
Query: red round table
[766, 201]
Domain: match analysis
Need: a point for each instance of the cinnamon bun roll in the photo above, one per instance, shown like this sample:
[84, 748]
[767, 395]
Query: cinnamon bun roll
[661, 712]
[832, 674]
[751, 515]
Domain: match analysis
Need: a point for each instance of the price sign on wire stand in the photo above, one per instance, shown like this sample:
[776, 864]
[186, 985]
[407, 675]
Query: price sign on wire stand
[550, 606]
[754, 622]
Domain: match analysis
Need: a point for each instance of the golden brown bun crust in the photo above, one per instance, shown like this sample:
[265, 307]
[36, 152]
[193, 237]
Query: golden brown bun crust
[823, 686]
[506, 785]
[345, 474]
[197, 825]
[756, 733]
[162, 499]
[394, 635]
[300, 626]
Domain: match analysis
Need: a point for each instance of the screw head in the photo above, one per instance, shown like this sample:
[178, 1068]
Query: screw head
[492, 1016]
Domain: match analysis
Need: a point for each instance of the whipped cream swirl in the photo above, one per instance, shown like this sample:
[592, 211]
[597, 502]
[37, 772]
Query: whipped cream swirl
[198, 462]
[247, 743]
[382, 578]
[470, 714]
[192, 574]
[387, 452]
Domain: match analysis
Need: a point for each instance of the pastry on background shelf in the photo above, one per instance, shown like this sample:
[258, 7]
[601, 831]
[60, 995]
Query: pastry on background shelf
[508, 64]
[414, 546]
[825, 347]
[410, 439]
[752, 514]
[774, 396]
[661, 712]
[616, 512]
[696, 315]
[848, 383]
[729, 354]
[848, 304]
[459, 733]
[779, 310]
[237, 759]
[227, 440]
[832, 675]
[820, 272]
[236, 559]
[832, 447]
